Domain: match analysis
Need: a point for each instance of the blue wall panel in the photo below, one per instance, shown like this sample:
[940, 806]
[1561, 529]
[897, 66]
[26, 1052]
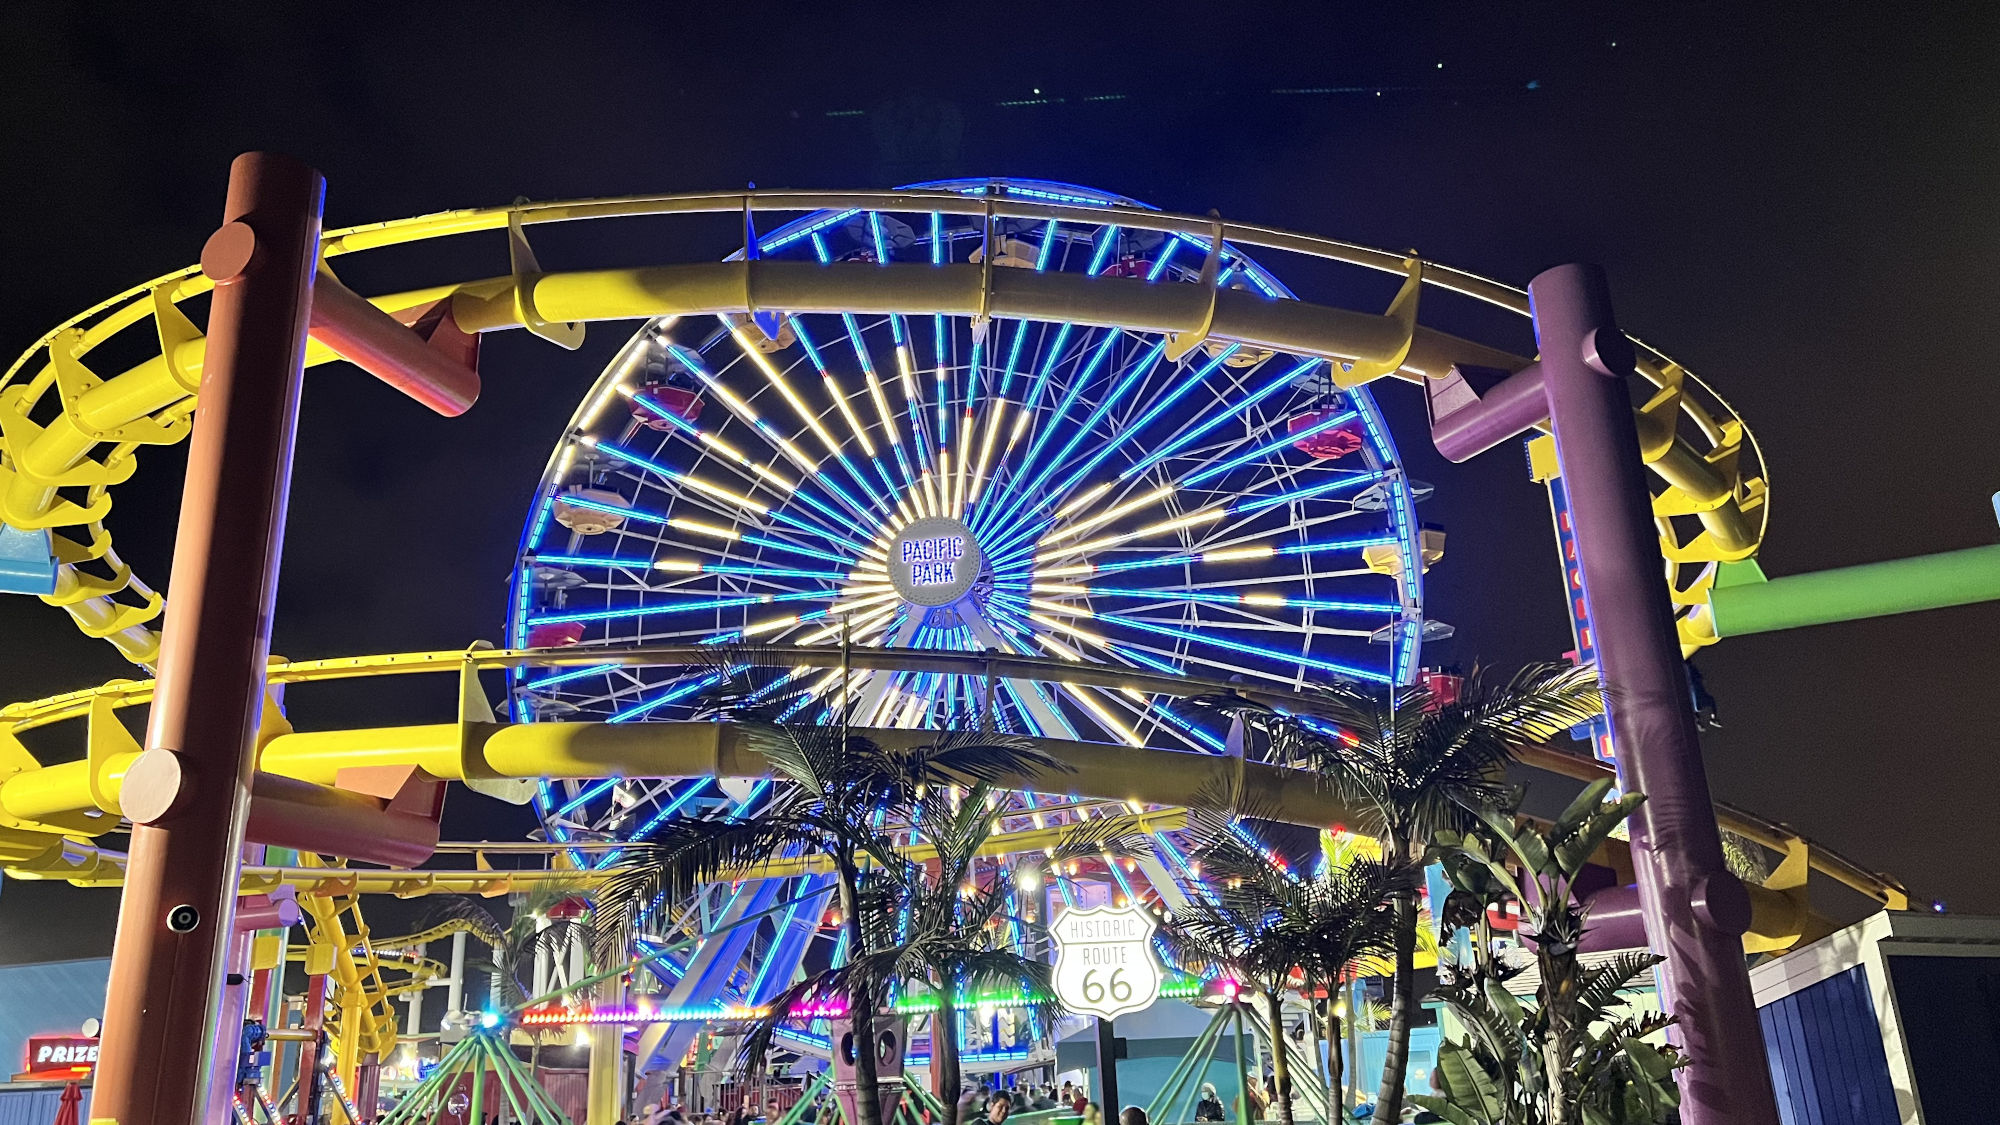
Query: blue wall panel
[50, 998]
[1827, 1061]
[37, 1105]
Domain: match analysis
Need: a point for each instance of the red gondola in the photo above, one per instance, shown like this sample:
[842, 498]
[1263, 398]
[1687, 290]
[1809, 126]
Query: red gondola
[1329, 444]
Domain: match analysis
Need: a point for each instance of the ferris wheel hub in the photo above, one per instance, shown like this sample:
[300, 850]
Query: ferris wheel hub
[934, 561]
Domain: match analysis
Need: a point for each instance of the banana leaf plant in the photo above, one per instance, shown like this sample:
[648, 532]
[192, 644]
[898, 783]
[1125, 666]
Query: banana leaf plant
[1573, 1054]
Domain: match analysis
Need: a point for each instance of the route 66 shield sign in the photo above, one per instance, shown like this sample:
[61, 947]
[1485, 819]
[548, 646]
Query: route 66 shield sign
[1104, 961]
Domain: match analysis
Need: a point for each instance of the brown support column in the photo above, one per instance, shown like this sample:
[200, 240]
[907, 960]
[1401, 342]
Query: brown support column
[188, 794]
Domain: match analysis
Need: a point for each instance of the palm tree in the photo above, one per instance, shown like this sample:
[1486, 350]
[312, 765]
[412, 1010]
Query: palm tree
[842, 787]
[951, 932]
[1264, 922]
[1413, 763]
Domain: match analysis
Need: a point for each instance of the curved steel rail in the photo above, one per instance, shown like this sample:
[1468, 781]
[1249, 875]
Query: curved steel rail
[39, 805]
[68, 435]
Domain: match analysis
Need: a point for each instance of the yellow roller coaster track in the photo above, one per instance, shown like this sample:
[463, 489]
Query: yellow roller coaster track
[44, 810]
[49, 813]
[68, 434]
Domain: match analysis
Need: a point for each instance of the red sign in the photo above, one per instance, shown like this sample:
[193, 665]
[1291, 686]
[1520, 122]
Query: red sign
[60, 1056]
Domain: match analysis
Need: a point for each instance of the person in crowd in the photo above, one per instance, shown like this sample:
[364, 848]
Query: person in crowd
[1209, 1108]
[1042, 1100]
[1133, 1115]
[999, 1107]
[1079, 1098]
[1092, 1115]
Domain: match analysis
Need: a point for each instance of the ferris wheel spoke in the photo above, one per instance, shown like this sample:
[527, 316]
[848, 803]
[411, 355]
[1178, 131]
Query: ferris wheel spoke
[739, 407]
[772, 542]
[705, 443]
[695, 605]
[721, 500]
[884, 503]
[1260, 525]
[1021, 484]
[1034, 500]
[1317, 490]
[1288, 378]
[1210, 639]
[1195, 481]
[1235, 550]
[1142, 708]
[1160, 598]
[776, 380]
[1165, 402]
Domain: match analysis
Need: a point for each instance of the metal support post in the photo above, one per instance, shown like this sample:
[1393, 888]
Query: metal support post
[606, 1077]
[1695, 911]
[1107, 1069]
[414, 1025]
[1242, 1067]
[188, 794]
[454, 994]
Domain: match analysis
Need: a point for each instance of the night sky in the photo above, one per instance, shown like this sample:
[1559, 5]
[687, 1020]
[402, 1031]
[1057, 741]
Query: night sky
[1800, 204]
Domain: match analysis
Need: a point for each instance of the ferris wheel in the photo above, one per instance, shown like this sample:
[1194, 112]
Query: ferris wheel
[948, 483]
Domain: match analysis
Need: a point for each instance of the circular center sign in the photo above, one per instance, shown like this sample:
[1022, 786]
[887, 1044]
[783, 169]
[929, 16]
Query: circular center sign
[933, 561]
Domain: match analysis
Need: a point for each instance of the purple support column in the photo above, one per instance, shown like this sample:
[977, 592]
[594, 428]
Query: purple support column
[1695, 911]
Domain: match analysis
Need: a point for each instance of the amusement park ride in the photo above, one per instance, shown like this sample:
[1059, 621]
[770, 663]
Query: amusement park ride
[1010, 449]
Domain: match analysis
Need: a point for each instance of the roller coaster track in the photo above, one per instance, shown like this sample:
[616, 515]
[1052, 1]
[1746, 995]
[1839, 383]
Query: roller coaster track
[37, 801]
[69, 434]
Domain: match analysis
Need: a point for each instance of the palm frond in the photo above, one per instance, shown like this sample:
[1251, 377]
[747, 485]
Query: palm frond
[972, 756]
[1116, 836]
[1598, 992]
[478, 921]
[688, 853]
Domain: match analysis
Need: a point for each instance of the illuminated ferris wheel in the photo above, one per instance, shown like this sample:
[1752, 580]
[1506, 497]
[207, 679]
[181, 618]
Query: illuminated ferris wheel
[832, 476]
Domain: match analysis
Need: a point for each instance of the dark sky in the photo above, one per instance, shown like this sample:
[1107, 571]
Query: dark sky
[1801, 203]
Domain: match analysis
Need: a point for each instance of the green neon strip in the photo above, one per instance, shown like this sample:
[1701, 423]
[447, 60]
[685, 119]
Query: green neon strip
[1853, 592]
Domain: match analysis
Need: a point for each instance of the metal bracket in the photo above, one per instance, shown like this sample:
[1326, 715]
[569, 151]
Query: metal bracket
[14, 759]
[125, 617]
[74, 380]
[1403, 311]
[21, 435]
[476, 710]
[175, 329]
[105, 738]
[768, 322]
[86, 586]
[1659, 416]
[981, 320]
[1181, 343]
[526, 270]
[69, 551]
